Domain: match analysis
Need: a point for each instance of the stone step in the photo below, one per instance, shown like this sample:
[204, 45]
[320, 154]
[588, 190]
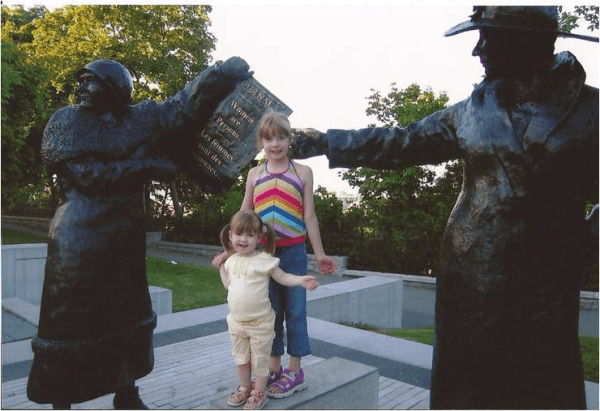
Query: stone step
[335, 383]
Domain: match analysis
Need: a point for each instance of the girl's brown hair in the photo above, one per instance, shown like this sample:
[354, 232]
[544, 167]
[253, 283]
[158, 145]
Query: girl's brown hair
[248, 221]
[273, 123]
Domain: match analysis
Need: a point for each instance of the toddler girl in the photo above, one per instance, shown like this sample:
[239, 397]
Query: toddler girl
[245, 275]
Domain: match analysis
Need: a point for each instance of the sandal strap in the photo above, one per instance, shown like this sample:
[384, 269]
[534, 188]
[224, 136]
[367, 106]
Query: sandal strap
[256, 398]
[241, 392]
[286, 382]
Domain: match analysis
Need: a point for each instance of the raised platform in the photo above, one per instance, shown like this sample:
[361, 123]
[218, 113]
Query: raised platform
[335, 384]
[162, 303]
[375, 301]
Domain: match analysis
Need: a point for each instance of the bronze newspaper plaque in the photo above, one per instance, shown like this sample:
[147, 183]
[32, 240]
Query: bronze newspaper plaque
[228, 143]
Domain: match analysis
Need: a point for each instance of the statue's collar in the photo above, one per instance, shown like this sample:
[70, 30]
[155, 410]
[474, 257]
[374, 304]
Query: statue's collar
[108, 118]
[558, 86]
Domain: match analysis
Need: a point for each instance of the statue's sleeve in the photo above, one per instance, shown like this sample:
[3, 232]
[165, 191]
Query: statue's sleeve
[429, 141]
[194, 105]
[100, 175]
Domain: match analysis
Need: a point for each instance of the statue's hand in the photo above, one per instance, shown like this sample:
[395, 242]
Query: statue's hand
[236, 68]
[307, 133]
[309, 142]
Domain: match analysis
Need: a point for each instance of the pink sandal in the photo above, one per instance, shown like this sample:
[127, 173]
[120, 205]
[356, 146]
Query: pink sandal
[257, 400]
[239, 397]
[289, 383]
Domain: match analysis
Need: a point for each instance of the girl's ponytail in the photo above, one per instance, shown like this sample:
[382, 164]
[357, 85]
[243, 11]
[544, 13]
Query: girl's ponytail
[226, 240]
[269, 234]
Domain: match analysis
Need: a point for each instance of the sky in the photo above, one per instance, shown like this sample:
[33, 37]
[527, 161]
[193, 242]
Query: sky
[322, 58]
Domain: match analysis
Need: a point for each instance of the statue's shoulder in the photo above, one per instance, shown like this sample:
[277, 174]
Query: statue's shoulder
[144, 107]
[590, 93]
[65, 115]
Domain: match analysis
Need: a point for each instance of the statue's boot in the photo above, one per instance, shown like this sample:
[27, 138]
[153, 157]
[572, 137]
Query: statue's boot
[128, 399]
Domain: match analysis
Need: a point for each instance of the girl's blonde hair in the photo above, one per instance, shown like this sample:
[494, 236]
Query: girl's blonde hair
[273, 123]
[248, 221]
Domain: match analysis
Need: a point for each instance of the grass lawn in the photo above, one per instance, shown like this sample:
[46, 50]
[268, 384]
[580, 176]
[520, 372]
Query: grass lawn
[15, 237]
[192, 286]
[425, 335]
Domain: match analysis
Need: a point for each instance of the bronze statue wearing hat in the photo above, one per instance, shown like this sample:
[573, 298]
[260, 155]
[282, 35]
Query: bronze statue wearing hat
[96, 319]
[511, 266]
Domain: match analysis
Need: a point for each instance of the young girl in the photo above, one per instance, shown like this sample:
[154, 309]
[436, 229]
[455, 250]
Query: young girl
[251, 320]
[281, 192]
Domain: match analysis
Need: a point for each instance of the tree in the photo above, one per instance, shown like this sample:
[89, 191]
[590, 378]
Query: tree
[163, 47]
[407, 209]
[568, 21]
[24, 109]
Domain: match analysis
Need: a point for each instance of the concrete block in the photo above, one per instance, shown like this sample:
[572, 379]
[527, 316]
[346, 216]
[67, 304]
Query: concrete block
[591, 395]
[374, 301]
[588, 300]
[162, 300]
[153, 237]
[22, 309]
[29, 275]
[8, 269]
[162, 303]
[335, 383]
[23, 271]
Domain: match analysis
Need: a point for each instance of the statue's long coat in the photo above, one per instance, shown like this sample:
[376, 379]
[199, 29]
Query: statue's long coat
[96, 319]
[511, 268]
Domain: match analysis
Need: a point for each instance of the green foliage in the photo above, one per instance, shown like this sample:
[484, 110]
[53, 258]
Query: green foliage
[24, 106]
[329, 212]
[163, 47]
[405, 212]
[193, 286]
[402, 107]
[204, 214]
[568, 21]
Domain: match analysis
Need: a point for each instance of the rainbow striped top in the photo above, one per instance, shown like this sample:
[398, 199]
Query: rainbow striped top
[278, 200]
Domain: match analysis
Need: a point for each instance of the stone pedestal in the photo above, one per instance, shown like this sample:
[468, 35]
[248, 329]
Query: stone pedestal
[335, 383]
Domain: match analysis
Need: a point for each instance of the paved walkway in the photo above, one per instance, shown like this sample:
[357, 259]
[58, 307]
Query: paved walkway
[192, 369]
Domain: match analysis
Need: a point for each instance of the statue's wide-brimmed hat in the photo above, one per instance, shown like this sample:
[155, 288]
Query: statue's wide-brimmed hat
[533, 18]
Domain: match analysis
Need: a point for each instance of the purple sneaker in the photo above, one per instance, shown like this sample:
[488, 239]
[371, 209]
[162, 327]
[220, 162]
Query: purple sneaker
[274, 376]
[289, 383]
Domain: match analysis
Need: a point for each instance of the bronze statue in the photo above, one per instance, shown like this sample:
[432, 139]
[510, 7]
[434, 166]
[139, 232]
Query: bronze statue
[510, 269]
[96, 319]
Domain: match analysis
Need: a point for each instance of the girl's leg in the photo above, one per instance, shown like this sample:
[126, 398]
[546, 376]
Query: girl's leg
[292, 302]
[244, 377]
[294, 261]
[276, 292]
[242, 393]
[260, 383]
[295, 363]
[275, 363]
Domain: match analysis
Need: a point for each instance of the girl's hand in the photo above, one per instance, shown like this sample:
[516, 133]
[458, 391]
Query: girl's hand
[327, 265]
[219, 259]
[309, 282]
